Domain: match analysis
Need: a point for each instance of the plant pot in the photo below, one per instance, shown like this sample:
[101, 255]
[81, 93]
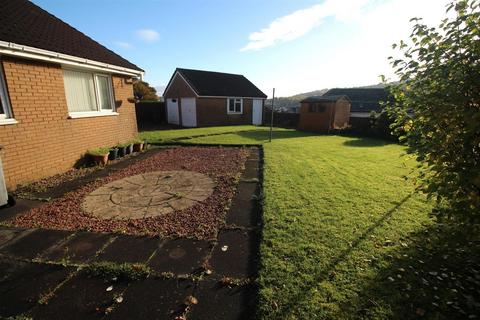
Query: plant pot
[122, 151]
[113, 154]
[100, 159]
[137, 147]
[130, 149]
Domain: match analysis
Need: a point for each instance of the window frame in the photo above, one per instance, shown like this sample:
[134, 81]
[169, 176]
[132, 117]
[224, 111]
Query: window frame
[234, 103]
[110, 91]
[316, 107]
[6, 117]
[96, 91]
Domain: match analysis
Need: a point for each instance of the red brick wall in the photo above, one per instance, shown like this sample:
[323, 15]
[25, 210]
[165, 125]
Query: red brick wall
[210, 111]
[45, 141]
[213, 112]
[178, 89]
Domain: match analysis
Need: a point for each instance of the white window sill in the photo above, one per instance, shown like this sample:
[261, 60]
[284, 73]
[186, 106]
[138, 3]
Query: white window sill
[76, 115]
[234, 112]
[4, 122]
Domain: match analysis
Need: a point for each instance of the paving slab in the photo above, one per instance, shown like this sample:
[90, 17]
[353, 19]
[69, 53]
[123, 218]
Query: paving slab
[245, 210]
[216, 301]
[7, 234]
[153, 299]
[79, 249]
[22, 290]
[236, 254]
[181, 256]
[81, 297]
[35, 243]
[130, 249]
[251, 171]
[149, 194]
[21, 205]
[9, 267]
[254, 154]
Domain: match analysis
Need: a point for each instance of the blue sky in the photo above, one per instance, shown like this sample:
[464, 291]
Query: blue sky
[292, 45]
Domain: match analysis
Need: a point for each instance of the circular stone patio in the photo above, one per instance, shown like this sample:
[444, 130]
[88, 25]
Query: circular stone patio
[148, 195]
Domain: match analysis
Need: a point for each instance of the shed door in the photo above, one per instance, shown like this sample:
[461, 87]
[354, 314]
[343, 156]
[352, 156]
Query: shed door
[189, 112]
[257, 112]
[172, 111]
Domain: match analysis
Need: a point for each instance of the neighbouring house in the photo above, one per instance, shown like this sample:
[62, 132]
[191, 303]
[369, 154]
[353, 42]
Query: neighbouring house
[61, 92]
[323, 114]
[196, 98]
[363, 100]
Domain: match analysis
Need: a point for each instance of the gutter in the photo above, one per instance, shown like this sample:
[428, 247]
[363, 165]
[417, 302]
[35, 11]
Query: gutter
[17, 50]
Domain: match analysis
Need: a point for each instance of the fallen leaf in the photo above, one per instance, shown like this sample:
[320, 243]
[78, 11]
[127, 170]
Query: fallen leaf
[191, 300]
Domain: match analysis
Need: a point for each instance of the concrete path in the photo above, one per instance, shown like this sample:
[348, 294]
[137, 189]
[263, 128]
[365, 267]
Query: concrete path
[46, 274]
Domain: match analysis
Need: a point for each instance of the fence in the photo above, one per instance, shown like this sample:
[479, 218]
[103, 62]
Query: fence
[282, 119]
[150, 114]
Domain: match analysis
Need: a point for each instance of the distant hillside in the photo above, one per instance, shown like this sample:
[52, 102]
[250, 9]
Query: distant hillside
[292, 103]
[302, 96]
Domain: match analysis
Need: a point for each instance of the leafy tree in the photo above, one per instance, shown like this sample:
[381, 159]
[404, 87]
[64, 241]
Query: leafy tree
[143, 91]
[380, 125]
[437, 105]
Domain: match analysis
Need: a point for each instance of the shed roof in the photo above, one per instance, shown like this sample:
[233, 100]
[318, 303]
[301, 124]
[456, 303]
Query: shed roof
[24, 23]
[219, 84]
[362, 99]
[332, 98]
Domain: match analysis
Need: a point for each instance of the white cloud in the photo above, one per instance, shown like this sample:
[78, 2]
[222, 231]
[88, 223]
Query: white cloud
[124, 45]
[356, 59]
[299, 23]
[148, 35]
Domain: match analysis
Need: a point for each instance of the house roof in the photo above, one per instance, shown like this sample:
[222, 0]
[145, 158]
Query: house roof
[332, 98]
[362, 99]
[218, 84]
[24, 23]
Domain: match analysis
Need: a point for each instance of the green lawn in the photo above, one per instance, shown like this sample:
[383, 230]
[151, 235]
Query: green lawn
[346, 236]
[168, 135]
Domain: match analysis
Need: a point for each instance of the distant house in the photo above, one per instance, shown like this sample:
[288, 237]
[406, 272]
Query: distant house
[363, 100]
[196, 98]
[61, 93]
[323, 114]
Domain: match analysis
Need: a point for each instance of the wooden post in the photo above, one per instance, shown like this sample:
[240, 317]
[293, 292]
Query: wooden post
[271, 117]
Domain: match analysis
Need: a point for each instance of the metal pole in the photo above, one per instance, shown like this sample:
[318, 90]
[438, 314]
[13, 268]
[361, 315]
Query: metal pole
[271, 117]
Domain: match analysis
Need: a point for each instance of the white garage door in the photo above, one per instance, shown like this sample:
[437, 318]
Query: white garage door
[257, 112]
[189, 112]
[172, 111]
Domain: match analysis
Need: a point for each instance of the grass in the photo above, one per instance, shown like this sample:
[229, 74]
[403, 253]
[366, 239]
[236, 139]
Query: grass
[169, 135]
[123, 271]
[347, 237]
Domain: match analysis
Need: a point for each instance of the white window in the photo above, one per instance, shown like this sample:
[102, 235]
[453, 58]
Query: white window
[5, 110]
[88, 93]
[234, 105]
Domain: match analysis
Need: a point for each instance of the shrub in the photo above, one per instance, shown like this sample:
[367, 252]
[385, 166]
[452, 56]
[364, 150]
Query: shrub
[437, 109]
[99, 151]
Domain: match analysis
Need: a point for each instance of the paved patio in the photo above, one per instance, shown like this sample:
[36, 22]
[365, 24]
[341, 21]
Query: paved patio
[43, 272]
[149, 195]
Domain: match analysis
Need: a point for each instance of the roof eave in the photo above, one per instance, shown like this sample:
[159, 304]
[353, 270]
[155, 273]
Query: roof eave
[232, 96]
[23, 51]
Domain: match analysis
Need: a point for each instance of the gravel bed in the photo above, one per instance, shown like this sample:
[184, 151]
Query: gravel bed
[223, 165]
